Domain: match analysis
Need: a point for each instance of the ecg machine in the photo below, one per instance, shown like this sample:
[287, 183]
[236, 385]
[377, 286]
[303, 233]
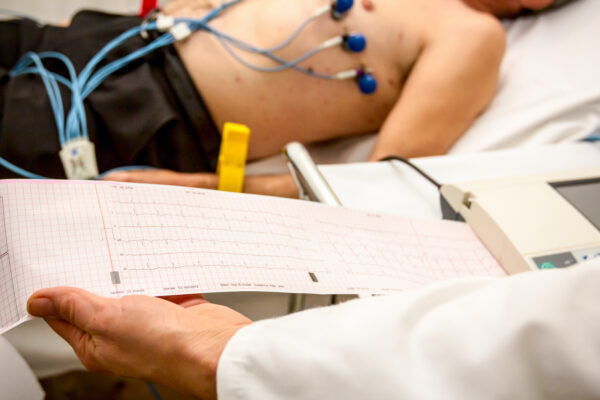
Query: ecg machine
[536, 222]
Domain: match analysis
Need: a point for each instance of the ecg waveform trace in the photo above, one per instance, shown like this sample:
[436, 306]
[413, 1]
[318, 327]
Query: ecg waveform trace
[268, 241]
[10, 311]
[116, 239]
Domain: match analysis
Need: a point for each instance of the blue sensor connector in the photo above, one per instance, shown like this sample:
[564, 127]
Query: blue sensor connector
[355, 42]
[367, 84]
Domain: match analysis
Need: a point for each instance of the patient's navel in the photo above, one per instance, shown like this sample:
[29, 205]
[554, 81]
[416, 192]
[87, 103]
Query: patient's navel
[368, 5]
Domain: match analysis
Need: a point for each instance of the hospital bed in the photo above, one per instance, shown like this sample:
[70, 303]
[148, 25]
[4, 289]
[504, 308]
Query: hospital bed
[549, 92]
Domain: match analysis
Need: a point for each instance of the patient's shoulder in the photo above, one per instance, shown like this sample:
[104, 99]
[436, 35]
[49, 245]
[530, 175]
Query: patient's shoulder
[461, 25]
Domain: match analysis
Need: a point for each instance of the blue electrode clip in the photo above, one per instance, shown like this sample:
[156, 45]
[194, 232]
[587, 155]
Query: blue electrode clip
[366, 82]
[355, 42]
[341, 7]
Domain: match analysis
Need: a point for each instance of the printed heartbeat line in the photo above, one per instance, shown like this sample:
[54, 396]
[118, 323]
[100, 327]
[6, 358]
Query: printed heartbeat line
[203, 216]
[206, 228]
[199, 265]
[187, 206]
[348, 229]
[170, 253]
[203, 240]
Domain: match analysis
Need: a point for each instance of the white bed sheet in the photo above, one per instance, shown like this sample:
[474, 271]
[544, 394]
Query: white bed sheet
[549, 88]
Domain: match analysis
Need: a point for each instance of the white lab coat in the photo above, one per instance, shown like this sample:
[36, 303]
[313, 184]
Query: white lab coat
[530, 336]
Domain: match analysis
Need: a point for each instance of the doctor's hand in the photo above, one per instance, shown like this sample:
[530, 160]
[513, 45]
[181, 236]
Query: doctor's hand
[271, 185]
[176, 341]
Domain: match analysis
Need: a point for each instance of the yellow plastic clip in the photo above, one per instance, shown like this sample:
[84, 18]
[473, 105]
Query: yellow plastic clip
[232, 157]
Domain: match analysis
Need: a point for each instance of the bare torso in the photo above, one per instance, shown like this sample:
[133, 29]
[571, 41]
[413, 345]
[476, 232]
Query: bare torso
[285, 106]
[436, 62]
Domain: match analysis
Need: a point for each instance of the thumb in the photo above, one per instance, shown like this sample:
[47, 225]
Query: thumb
[75, 306]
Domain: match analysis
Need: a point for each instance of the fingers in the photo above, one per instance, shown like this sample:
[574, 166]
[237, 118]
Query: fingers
[166, 177]
[76, 306]
[65, 330]
[272, 185]
[73, 335]
[80, 341]
[140, 176]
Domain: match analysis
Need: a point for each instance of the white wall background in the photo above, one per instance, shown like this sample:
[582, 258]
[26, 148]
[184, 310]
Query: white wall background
[56, 11]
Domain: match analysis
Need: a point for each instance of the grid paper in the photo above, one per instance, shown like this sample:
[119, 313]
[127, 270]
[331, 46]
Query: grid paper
[115, 239]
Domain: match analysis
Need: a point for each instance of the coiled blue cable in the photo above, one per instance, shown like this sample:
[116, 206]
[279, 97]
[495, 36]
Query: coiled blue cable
[87, 81]
[51, 79]
[51, 87]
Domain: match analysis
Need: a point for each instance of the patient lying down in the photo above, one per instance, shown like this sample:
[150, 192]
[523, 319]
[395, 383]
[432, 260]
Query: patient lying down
[436, 63]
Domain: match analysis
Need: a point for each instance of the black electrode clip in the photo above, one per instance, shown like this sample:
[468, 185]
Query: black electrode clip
[150, 36]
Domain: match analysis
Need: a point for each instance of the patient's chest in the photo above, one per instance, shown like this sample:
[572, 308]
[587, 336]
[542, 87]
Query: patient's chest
[284, 106]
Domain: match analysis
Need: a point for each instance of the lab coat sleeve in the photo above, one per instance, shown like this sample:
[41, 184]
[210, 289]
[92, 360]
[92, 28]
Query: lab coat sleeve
[531, 336]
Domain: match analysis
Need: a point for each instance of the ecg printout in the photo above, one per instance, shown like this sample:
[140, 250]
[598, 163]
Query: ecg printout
[115, 239]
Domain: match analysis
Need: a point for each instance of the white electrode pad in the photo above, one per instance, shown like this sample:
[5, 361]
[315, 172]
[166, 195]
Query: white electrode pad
[78, 157]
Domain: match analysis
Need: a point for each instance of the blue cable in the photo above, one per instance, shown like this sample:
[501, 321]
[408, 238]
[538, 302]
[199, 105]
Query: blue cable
[290, 38]
[78, 127]
[154, 391]
[51, 87]
[165, 40]
[83, 85]
[285, 65]
[76, 120]
[594, 136]
[202, 24]
[107, 70]
[218, 10]
[247, 47]
[31, 70]
[19, 171]
[54, 95]
[76, 103]
[88, 69]
[76, 100]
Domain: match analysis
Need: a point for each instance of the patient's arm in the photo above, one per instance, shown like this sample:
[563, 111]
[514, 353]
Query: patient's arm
[452, 81]
[272, 185]
[507, 8]
[188, 7]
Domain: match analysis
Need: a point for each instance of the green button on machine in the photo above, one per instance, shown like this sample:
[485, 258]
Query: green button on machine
[547, 265]
[558, 260]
